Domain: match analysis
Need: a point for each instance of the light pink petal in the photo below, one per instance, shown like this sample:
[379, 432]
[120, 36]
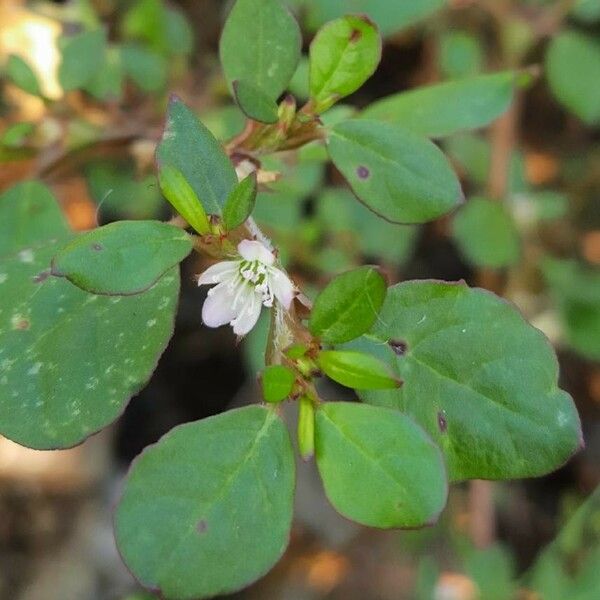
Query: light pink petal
[217, 272]
[251, 250]
[217, 309]
[282, 287]
[247, 319]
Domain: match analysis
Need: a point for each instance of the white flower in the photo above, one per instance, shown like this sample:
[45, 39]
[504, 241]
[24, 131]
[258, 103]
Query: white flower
[243, 287]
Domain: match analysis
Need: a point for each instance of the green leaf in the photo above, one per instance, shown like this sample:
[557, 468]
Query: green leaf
[348, 306]
[147, 68]
[240, 203]
[357, 370]
[29, 216]
[461, 54]
[343, 55]
[69, 360]
[190, 147]
[477, 377]
[345, 218]
[216, 494]
[446, 108]
[122, 258]
[399, 175]
[486, 234]
[22, 75]
[391, 17]
[15, 135]
[148, 20]
[277, 383]
[260, 44]
[378, 467]
[182, 197]
[306, 428]
[82, 57]
[573, 69]
[255, 103]
[108, 82]
[179, 32]
[586, 11]
[493, 572]
[577, 292]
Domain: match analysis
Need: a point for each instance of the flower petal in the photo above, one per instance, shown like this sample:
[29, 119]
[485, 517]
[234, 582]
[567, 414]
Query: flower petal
[218, 307]
[251, 250]
[282, 287]
[218, 272]
[247, 319]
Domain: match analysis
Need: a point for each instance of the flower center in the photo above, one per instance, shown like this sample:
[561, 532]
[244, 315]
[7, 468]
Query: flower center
[256, 273]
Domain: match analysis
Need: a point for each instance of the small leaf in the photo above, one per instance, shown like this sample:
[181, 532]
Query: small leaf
[348, 306]
[306, 428]
[82, 56]
[216, 494]
[277, 383]
[576, 289]
[445, 108]
[486, 234]
[573, 68]
[22, 75]
[399, 175]
[187, 145]
[357, 370]
[29, 216]
[15, 135]
[147, 69]
[378, 467]
[343, 55]
[240, 203]
[182, 197]
[260, 44]
[122, 258]
[461, 54]
[255, 103]
[477, 377]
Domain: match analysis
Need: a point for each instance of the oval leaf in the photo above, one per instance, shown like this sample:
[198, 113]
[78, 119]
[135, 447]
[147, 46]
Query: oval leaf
[82, 57]
[260, 44]
[216, 494]
[573, 68]
[277, 383]
[445, 108]
[343, 55]
[348, 306]
[240, 203]
[22, 75]
[378, 467]
[357, 370]
[255, 103]
[486, 234]
[396, 173]
[122, 258]
[477, 377]
[70, 360]
[189, 147]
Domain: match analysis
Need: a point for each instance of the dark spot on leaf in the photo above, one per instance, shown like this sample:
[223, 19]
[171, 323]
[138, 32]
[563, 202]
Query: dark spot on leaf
[202, 526]
[398, 346]
[97, 247]
[442, 423]
[363, 172]
[355, 36]
[41, 277]
[22, 324]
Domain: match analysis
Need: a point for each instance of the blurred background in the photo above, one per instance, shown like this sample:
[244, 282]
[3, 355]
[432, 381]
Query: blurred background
[83, 91]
